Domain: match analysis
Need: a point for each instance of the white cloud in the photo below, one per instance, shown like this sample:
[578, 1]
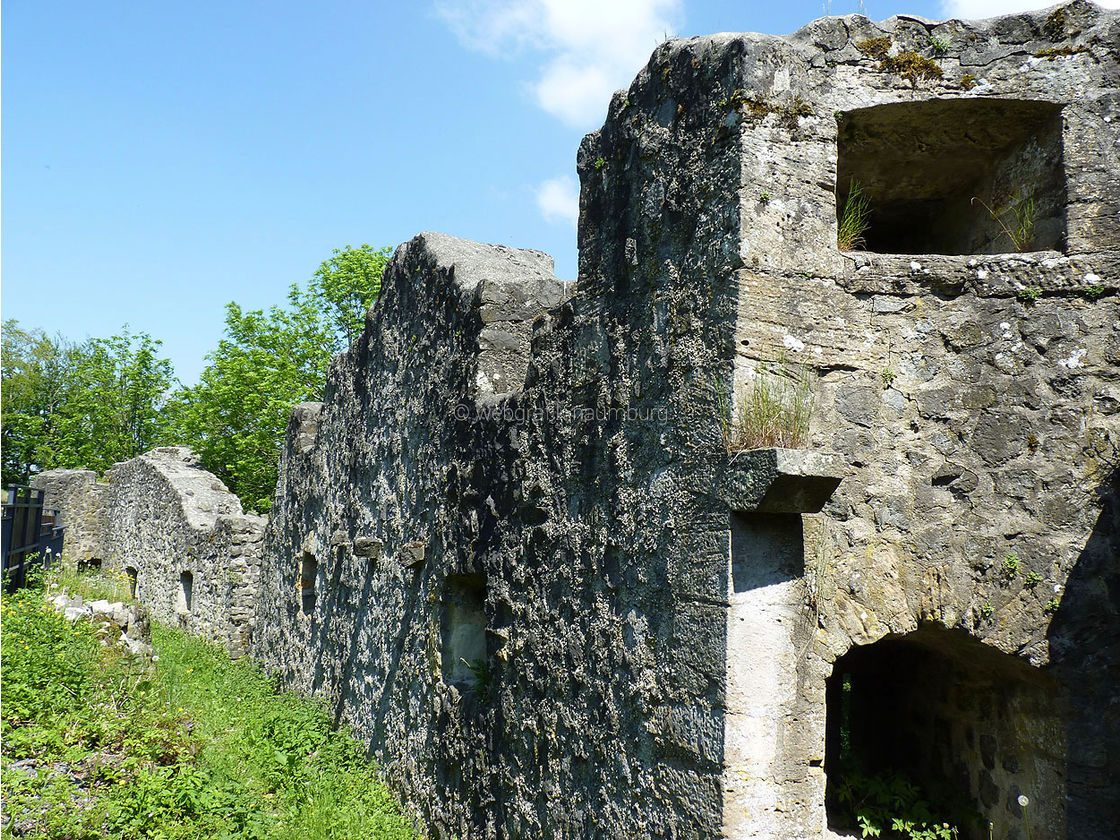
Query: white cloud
[587, 48]
[558, 200]
[976, 9]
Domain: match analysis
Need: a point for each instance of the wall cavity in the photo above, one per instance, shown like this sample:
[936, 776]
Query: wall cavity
[973, 728]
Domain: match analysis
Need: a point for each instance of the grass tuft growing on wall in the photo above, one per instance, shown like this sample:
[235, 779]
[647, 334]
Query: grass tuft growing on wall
[99, 744]
[855, 219]
[774, 410]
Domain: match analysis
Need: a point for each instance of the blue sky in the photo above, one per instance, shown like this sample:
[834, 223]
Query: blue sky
[161, 159]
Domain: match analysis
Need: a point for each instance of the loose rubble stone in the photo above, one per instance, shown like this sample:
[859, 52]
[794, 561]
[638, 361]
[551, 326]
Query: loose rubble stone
[127, 625]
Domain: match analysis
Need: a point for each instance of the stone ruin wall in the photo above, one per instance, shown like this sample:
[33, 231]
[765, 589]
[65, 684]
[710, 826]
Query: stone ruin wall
[635, 686]
[176, 531]
[973, 398]
[511, 550]
[80, 498]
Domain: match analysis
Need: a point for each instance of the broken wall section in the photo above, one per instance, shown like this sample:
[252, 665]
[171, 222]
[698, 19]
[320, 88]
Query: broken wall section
[80, 499]
[180, 535]
[382, 590]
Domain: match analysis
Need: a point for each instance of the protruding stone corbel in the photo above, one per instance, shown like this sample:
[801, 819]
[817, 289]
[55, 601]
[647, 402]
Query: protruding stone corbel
[412, 555]
[368, 547]
[779, 481]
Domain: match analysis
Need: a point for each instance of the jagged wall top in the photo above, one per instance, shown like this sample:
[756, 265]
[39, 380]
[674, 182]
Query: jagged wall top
[781, 102]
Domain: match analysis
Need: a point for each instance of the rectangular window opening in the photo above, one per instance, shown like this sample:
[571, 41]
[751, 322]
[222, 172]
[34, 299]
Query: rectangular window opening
[963, 176]
[308, 572]
[186, 592]
[464, 660]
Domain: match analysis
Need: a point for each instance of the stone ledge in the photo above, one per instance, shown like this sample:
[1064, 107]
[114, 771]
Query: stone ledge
[779, 481]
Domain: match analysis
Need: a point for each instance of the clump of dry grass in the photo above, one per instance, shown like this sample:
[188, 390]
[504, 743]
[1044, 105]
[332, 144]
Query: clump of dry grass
[774, 410]
[855, 219]
[1024, 213]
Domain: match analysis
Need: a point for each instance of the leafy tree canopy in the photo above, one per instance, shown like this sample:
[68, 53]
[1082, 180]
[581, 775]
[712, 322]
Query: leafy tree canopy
[269, 360]
[105, 400]
[79, 405]
[349, 282]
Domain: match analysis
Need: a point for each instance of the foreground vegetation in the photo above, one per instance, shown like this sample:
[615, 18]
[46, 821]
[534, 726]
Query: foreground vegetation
[100, 744]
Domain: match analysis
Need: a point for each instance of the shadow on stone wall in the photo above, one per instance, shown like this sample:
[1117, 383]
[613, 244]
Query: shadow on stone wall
[1085, 652]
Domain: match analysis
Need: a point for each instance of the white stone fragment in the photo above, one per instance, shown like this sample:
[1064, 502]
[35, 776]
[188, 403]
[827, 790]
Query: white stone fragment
[1074, 360]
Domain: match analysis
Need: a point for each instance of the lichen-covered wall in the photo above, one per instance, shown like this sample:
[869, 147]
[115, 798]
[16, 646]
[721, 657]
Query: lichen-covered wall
[179, 528]
[974, 399]
[980, 431]
[511, 549]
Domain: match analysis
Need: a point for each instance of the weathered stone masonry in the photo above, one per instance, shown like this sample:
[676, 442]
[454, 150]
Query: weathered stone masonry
[80, 497]
[174, 528]
[511, 549]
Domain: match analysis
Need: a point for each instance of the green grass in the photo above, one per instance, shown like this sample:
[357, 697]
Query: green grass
[855, 219]
[774, 409]
[192, 746]
[108, 585]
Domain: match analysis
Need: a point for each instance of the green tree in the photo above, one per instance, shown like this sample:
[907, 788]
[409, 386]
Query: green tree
[113, 407]
[349, 282]
[269, 360]
[79, 405]
[33, 379]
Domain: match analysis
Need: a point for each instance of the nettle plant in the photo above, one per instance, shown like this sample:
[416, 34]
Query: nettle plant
[890, 805]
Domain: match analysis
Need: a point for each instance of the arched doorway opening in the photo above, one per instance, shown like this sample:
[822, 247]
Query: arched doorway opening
[936, 727]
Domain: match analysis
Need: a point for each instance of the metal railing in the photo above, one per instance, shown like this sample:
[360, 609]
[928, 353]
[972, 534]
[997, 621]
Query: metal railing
[31, 535]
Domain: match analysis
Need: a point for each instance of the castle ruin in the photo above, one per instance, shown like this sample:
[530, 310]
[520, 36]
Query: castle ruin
[513, 551]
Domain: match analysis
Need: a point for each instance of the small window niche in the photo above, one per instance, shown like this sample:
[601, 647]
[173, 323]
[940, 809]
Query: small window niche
[186, 592]
[308, 572]
[89, 566]
[133, 575]
[463, 632]
[766, 548]
[964, 176]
